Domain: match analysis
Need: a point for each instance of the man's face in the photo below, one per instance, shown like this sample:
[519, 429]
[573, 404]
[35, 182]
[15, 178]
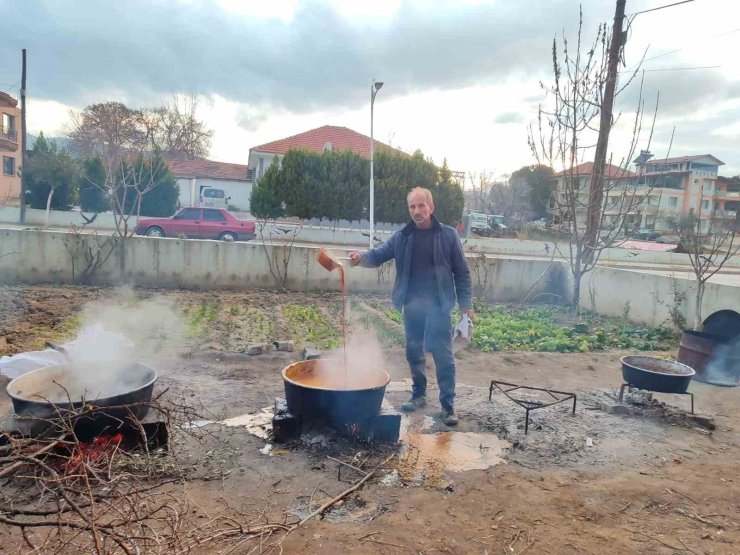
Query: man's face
[420, 209]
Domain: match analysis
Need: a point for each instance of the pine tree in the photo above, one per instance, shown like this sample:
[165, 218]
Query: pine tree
[92, 186]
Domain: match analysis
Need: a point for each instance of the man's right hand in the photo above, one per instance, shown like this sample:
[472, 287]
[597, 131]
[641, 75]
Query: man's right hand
[354, 258]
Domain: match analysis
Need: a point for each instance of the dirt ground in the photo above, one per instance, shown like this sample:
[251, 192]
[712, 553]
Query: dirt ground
[639, 478]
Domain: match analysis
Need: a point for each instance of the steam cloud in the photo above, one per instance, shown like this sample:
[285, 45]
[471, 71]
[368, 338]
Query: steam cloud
[114, 335]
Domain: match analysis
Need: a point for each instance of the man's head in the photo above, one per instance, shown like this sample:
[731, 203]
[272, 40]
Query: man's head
[421, 207]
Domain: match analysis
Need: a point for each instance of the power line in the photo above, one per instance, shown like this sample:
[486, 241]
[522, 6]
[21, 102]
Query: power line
[681, 68]
[672, 69]
[660, 8]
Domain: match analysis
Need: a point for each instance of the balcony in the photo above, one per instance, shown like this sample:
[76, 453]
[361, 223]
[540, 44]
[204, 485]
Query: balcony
[8, 139]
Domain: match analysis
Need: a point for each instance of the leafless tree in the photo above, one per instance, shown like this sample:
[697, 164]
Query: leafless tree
[126, 184]
[709, 242]
[564, 136]
[127, 142]
[480, 187]
[110, 130]
[176, 128]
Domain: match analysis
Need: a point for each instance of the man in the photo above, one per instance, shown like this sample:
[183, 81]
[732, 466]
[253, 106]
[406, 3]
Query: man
[431, 273]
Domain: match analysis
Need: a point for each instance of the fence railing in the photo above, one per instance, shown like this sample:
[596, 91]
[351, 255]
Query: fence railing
[8, 134]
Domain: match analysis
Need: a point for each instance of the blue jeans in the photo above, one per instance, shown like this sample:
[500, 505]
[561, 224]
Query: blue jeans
[427, 325]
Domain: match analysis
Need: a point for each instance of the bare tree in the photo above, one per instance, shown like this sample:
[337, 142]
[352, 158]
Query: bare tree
[568, 131]
[176, 128]
[110, 130]
[126, 184]
[480, 185]
[709, 242]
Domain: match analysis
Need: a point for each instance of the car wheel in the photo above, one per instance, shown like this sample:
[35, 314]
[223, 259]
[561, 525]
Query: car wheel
[228, 236]
[155, 232]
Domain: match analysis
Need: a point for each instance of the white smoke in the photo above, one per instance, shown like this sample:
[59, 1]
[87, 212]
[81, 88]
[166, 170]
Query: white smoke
[724, 366]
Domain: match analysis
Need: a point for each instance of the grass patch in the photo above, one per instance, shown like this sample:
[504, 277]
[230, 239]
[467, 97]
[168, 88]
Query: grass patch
[309, 326]
[548, 329]
[201, 317]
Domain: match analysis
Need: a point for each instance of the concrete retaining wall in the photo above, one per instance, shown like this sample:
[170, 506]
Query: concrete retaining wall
[44, 257]
[649, 298]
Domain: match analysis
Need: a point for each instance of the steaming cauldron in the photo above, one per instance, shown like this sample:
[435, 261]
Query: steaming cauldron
[47, 393]
[316, 391]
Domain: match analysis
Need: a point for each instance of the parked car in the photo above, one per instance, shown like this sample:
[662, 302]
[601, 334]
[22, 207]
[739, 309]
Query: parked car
[199, 223]
[213, 197]
[651, 235]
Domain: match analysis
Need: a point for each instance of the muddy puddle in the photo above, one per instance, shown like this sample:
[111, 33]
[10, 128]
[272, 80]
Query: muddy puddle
[427, 458]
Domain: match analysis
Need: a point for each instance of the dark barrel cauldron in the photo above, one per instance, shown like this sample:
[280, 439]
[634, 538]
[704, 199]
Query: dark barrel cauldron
[318, 390]
[50, 392]
[656, 374]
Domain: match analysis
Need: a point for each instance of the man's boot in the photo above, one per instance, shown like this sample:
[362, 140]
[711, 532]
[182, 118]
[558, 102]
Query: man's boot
[449, 417]
[416, 402]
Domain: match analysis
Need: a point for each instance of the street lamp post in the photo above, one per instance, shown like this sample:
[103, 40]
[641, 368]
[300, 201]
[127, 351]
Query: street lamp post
[374, 88]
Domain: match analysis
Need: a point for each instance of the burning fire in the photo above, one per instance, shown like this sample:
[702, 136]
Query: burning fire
[99, 448]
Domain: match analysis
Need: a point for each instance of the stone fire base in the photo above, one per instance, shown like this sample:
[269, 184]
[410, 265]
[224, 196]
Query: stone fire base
[385, 427]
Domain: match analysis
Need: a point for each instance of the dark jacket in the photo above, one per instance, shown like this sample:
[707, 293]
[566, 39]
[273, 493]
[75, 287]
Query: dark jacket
[451, 267]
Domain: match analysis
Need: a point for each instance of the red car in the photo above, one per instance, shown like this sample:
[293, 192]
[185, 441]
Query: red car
[199, 223]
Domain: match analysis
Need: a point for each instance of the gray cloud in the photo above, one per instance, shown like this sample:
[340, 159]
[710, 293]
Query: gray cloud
[80, 50]
[681, 92]
[509, 117]
[695, 137]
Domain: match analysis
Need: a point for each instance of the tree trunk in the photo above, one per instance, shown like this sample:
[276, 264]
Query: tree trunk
[699, 299]
[575, 301]
[48, 208]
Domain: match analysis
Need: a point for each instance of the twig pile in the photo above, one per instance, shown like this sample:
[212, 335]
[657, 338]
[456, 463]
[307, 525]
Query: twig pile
[59, 494]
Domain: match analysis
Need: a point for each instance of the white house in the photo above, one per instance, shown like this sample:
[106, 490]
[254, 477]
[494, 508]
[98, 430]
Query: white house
[195, 174]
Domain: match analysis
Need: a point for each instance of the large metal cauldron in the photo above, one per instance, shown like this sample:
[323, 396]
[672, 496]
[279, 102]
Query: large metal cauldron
[656, 374]
[53, 391]
[315, 391]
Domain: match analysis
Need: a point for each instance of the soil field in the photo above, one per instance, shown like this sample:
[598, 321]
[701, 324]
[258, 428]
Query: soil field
[642, 476]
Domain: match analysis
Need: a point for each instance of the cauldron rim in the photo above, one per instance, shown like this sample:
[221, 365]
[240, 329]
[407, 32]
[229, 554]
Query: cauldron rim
[98, 400]
[314, 361]
[629, 360]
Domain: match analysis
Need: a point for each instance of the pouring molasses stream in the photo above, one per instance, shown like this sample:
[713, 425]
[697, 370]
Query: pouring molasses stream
[331, 263]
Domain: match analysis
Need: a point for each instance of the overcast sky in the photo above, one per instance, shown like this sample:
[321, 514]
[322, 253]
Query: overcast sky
[461, 77]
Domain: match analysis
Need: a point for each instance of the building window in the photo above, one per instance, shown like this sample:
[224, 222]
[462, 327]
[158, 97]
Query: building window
[8, 123]
[672, 202]
[705, 205]
[8, 165]
[261, 168]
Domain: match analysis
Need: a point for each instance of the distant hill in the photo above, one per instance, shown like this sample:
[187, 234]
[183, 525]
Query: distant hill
[61, 142]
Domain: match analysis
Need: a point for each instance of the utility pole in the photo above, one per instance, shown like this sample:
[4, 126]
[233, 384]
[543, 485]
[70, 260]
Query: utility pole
[596, 193]
[23, 139]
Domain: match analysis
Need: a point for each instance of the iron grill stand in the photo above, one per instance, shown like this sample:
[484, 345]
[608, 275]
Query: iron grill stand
[558, 396]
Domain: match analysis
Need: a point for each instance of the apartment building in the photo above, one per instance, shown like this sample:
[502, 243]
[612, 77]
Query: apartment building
[681, 186]
[577, 182]
[11, 148]
[658, 191]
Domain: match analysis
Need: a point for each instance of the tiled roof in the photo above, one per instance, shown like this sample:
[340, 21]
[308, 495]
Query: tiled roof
[679, 159]
[587, 168]
[200, 167]
[316, 140]
[7, 100]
